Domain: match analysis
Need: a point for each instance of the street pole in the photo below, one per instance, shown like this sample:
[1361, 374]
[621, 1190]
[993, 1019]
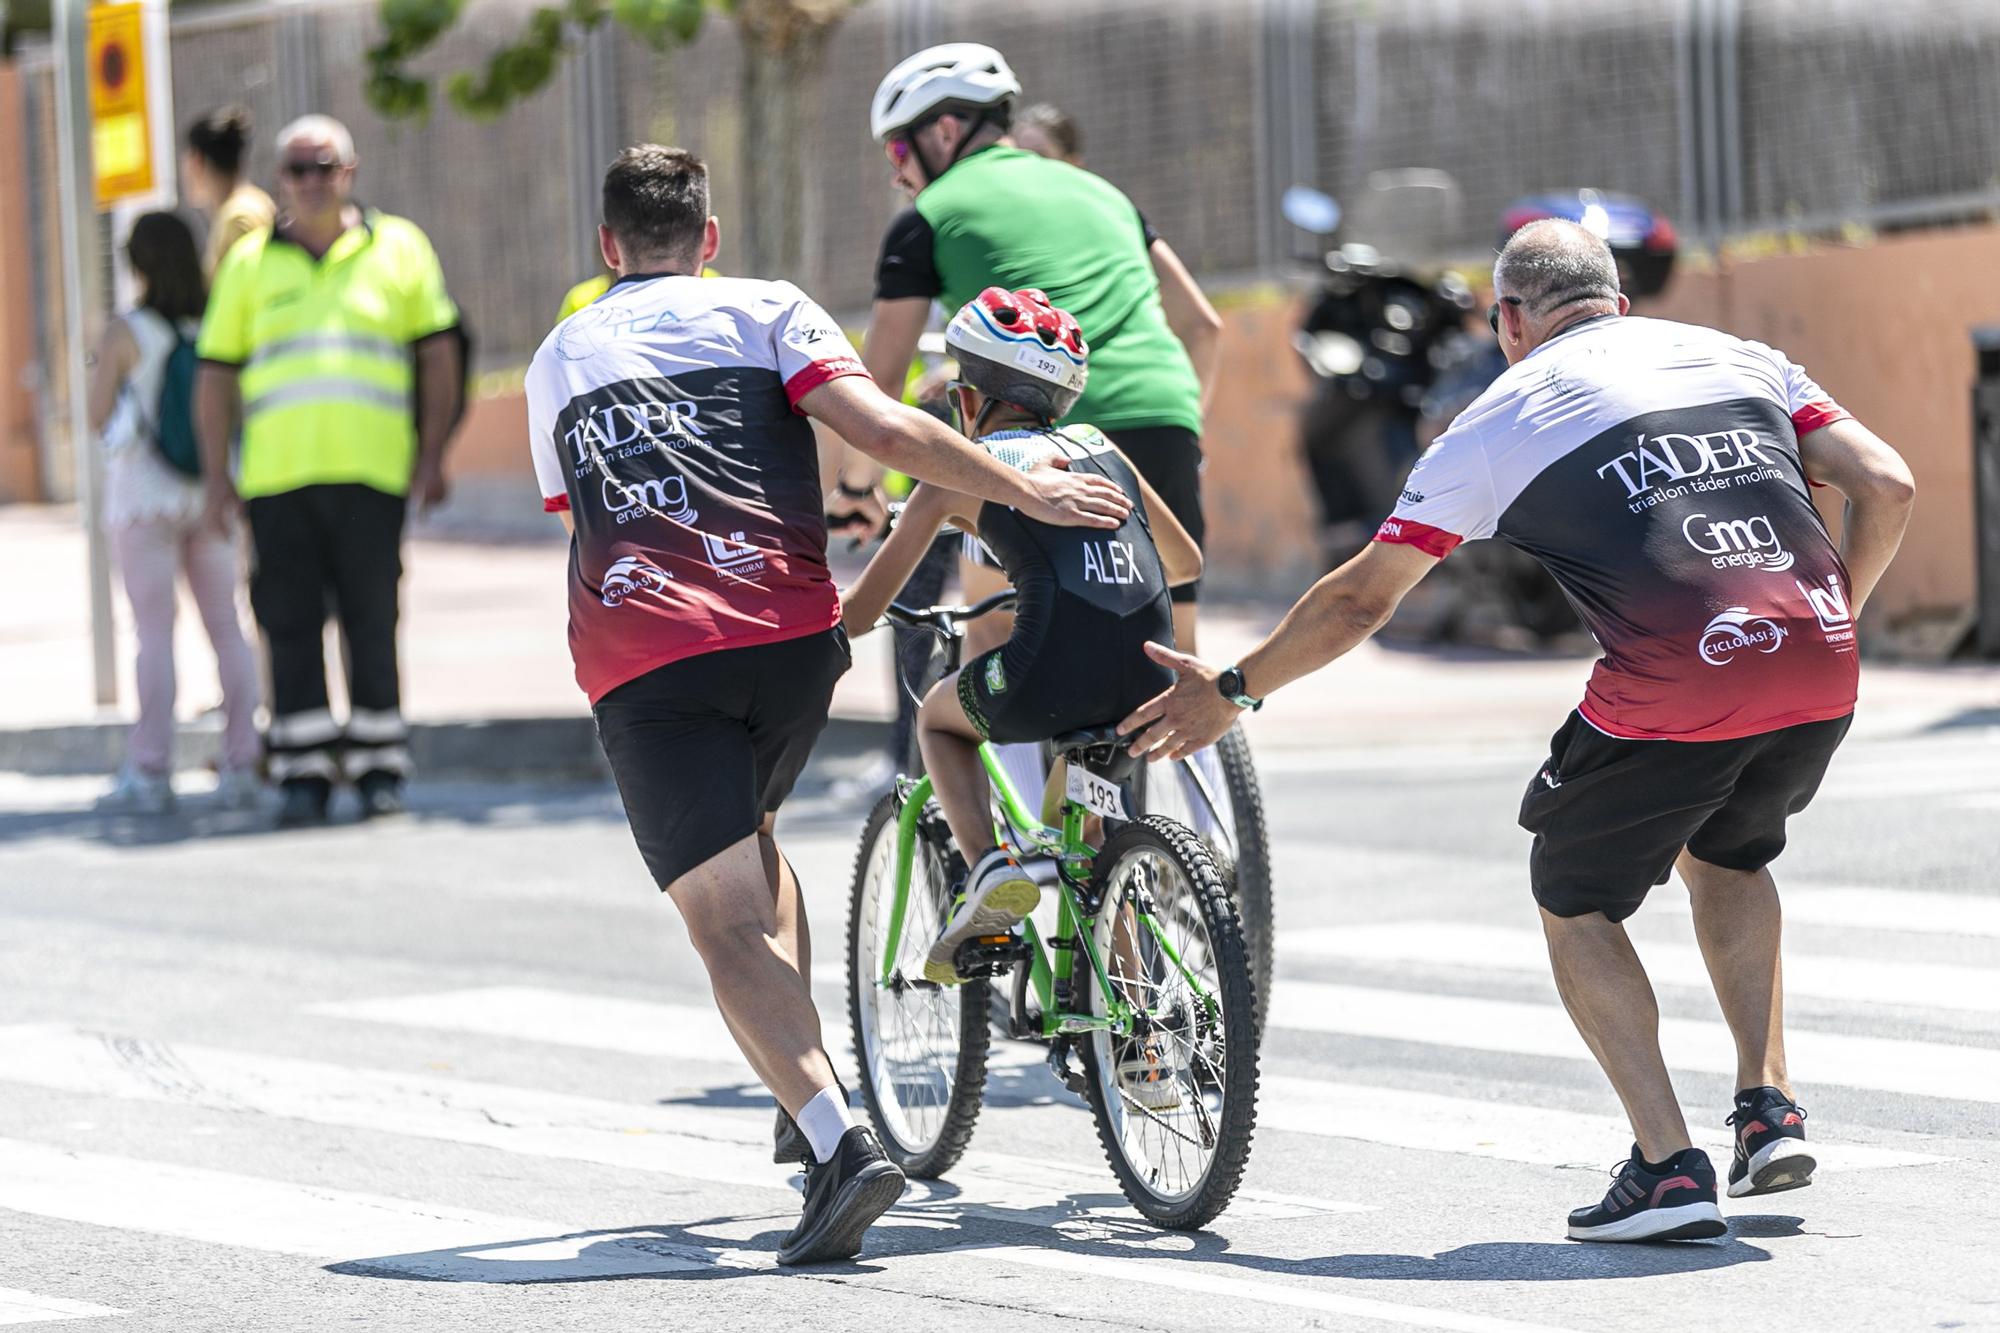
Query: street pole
[80, 285]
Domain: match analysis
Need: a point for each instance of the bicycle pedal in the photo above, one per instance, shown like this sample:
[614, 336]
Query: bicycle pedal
[989, 955]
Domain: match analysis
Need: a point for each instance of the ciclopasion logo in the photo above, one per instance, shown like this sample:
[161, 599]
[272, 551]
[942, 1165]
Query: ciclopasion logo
[1737, 631]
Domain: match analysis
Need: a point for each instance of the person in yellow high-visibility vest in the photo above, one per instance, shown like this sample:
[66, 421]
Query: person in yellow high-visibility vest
[331, 336]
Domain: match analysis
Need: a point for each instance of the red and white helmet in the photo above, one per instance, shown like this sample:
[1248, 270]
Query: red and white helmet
[1020, 349]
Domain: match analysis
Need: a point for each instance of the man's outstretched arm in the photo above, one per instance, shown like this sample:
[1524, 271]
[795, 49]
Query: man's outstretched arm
[920, 445]
[1335, 616]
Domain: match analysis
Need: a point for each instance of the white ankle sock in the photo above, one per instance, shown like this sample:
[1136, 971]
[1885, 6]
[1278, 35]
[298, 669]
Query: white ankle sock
[824, 1120]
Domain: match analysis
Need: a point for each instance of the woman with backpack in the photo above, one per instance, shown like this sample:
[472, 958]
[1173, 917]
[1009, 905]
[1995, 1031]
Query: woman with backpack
[141, 399]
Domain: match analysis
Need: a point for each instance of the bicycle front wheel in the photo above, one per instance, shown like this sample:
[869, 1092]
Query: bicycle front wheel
[921, 1047]
[1176, 1101]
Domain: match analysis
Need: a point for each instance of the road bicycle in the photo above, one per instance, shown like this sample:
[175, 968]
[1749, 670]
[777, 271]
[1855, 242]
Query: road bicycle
[1144, 978]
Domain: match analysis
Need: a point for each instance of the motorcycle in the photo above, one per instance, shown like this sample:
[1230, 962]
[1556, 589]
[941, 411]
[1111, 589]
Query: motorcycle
[1374, 338]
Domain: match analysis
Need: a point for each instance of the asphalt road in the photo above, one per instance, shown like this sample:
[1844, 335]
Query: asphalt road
[457, 1071]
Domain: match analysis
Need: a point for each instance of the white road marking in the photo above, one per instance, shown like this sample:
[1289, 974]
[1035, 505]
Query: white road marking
[1299, 1105]
[1212, 1279]
[695, 1143]
[280, 1217]
[1508, 1132]
[1911, 910]
[684, 1033]
[1456, 944]
[25, 1307]
[378, 1234]
[1969, 1073]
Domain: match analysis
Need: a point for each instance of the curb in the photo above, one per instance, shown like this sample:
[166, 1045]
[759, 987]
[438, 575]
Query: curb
[514, 749]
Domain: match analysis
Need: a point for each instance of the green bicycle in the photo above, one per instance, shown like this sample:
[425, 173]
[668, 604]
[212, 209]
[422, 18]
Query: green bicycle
[1143, 976]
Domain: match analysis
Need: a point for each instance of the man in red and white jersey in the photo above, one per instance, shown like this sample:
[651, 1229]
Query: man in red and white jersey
[1662, 473]
[668, 426]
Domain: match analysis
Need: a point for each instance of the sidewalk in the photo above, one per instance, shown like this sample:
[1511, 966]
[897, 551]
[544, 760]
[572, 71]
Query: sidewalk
[487, 683]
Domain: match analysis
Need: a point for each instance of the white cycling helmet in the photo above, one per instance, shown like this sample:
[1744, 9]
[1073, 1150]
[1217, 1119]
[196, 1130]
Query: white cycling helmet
[962, 73]
[1019, 348]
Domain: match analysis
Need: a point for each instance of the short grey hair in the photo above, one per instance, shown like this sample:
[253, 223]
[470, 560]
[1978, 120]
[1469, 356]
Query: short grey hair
[1554, 263]
[319, 129]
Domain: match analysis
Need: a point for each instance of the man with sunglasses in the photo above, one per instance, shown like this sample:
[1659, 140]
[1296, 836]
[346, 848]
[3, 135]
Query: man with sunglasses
[330, 338]
[1662, 473]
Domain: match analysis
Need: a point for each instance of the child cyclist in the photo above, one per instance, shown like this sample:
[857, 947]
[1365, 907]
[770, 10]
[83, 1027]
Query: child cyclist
[1087, 601]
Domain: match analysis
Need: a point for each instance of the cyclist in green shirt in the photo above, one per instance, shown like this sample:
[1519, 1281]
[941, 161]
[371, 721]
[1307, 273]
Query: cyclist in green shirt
[986, 213]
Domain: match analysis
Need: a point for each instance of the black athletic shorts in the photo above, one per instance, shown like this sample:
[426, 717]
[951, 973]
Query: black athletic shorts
[705, 747]
[1169, 458]
[1071, 681]
[1610, 816]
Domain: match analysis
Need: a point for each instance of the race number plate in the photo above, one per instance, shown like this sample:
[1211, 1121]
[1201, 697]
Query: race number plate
[1096, 794]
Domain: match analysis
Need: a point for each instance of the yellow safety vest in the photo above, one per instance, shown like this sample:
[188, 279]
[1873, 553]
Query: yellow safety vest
[324, 347]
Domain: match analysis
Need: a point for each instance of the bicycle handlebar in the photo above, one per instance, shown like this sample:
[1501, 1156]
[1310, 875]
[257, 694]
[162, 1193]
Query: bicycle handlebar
[945, 620]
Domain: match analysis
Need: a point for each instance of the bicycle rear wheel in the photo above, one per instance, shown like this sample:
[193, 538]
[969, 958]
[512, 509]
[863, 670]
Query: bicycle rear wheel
[1176, 1103]
[1233, 828]
[921, 1047]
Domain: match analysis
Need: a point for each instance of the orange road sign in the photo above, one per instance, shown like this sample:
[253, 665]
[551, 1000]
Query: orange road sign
[121, 132]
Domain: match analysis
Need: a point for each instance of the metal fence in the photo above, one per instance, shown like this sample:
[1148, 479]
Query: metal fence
[1734, 115]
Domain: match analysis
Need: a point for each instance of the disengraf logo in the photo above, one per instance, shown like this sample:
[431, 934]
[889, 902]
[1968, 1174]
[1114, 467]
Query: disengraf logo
[628, 576]
[1829, 607]
[1736, 631]
[1738, 543]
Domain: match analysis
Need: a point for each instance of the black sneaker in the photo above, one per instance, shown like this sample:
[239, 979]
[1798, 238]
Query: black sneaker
[304, 802]
[790, 1147]
[381, 794]
[1771, 1153]
[1676, 1203]
[843, 1197]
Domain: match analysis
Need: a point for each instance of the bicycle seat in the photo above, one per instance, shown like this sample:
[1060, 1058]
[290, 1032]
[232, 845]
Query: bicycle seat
[1101, 750]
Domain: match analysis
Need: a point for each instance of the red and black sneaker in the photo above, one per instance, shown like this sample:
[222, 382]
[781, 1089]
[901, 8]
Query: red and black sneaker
[1771, 1153]
[1675, 1202]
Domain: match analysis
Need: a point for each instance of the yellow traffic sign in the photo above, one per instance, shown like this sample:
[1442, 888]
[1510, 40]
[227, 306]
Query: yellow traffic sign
[121, 132]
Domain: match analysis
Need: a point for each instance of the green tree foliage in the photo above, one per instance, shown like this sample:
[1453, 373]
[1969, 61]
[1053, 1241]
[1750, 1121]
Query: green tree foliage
[518, 69]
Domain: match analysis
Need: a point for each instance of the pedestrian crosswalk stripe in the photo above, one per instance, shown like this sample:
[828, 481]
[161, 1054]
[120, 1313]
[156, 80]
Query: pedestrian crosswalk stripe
[695, 1143]
[25, 1307]
[681, 1032]
[1480, 1127]
[1457, 944]
[1871, 909]
[1919, 1068]
[275, 1216]
[1307, 1106]
[372, 1234]
[1213, 1279]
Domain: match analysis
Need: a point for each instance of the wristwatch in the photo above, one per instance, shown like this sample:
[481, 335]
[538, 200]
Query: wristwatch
[1230, 685]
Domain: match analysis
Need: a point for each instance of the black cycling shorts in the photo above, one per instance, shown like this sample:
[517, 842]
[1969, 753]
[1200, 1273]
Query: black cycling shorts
[1610, 816]
[1169, 458]
[1072, 681]
[705, 747]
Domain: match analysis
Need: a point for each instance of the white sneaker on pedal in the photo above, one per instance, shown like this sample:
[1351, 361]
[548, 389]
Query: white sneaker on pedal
[999, 895]
[1148, 1076]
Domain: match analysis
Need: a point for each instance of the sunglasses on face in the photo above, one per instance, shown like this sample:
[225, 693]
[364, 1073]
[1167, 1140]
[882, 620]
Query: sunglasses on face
[301, 170]
[1493, 312]
[899, 152]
